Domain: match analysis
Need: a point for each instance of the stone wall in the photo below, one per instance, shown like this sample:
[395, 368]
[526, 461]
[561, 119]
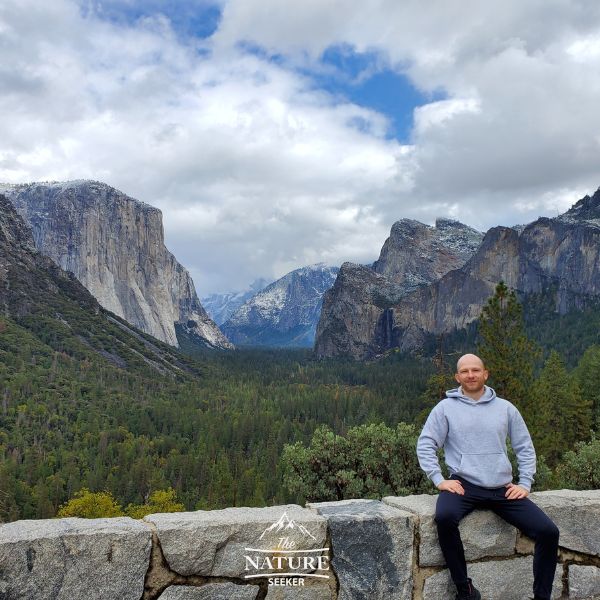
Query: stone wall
[354, 549]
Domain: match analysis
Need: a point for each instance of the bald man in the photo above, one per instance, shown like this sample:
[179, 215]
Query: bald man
[472, 425]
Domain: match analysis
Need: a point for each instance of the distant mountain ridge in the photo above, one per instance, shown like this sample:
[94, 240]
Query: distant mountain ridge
[114, 245]
[285, 313]
[221, 306]
[560, 254]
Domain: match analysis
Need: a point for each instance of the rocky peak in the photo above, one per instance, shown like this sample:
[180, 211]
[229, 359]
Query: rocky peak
[221, 306]
[587, 209]
[356, 318]
[407, 228]
[417, 254]
[457, 236]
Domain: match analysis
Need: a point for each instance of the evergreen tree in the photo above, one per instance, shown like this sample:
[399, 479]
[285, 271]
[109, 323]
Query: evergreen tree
[509, 355]
[562, 415]
[587, 373]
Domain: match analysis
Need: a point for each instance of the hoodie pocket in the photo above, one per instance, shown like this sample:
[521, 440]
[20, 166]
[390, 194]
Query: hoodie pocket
[488, 469]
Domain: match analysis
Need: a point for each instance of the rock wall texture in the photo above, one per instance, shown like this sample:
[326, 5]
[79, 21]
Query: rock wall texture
[351, 550]
[114, 245]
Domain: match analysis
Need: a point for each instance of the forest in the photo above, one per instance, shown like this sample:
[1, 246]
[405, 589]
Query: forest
[220, 430]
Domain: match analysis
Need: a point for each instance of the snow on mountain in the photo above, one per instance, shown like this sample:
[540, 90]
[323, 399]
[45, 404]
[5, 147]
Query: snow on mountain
[286, 312]
[221, 306]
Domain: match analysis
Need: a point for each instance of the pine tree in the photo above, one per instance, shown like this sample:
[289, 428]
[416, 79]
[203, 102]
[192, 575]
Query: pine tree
[587, 373]
[437, 384]
[562, 415]
[509, 355]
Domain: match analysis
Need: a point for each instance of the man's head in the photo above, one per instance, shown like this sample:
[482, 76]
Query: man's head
[471, 374]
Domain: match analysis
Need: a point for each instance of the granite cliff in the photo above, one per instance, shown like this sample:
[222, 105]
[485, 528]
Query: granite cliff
[51, 313]
[559, 256]
[285, 313]
[417, 254]
[114, 245]
[356, 318]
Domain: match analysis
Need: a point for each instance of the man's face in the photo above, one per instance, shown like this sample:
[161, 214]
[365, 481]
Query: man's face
[471, 375]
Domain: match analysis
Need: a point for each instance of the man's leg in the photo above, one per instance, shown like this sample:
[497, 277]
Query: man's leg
[449, 510]
[534, 523]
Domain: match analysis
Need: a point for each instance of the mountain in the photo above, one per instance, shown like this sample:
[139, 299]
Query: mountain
[114, 245]
[417, 254]
[285, 313]
[221, 306]
[558, 256]
[586, 210]
[355, 320]
[47, 308]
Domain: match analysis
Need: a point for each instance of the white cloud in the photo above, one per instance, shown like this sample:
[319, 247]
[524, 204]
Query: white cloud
[522, 87]
[435, 114]
[256, 171]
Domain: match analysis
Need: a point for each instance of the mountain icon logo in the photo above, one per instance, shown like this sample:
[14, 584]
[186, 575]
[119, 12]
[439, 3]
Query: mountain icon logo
[284, 523]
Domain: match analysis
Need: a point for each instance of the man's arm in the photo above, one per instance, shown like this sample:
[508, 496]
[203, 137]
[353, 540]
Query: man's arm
[523, 447]
[432, 437]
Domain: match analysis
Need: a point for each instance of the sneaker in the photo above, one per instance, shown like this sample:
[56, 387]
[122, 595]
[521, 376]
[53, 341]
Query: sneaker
[470, 592]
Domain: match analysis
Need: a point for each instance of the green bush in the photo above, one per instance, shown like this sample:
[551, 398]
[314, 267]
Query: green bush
[91, 505]
[580, 468]
[371, 461]
[161, 501]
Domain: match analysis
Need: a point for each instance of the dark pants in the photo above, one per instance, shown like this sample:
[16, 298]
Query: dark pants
[522, 513]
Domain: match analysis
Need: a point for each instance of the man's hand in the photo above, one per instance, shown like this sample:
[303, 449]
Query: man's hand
[515, 492]
[451, 485]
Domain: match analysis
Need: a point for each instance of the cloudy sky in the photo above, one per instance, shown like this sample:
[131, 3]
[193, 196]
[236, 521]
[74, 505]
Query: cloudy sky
[279, 134]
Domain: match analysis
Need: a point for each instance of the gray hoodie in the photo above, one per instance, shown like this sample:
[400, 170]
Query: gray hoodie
[473, 434]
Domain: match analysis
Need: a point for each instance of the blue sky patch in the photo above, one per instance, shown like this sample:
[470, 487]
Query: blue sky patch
[364, 79]
[195, 18]
[367, 80]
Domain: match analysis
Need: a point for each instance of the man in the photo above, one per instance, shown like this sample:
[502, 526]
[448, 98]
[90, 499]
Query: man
[472, 424]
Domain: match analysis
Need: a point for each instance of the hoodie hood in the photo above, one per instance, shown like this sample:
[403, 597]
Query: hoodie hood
[457, 393]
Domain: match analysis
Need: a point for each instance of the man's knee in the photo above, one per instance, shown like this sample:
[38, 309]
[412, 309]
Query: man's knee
[548, 532]
[446, 517]
[551, 532]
